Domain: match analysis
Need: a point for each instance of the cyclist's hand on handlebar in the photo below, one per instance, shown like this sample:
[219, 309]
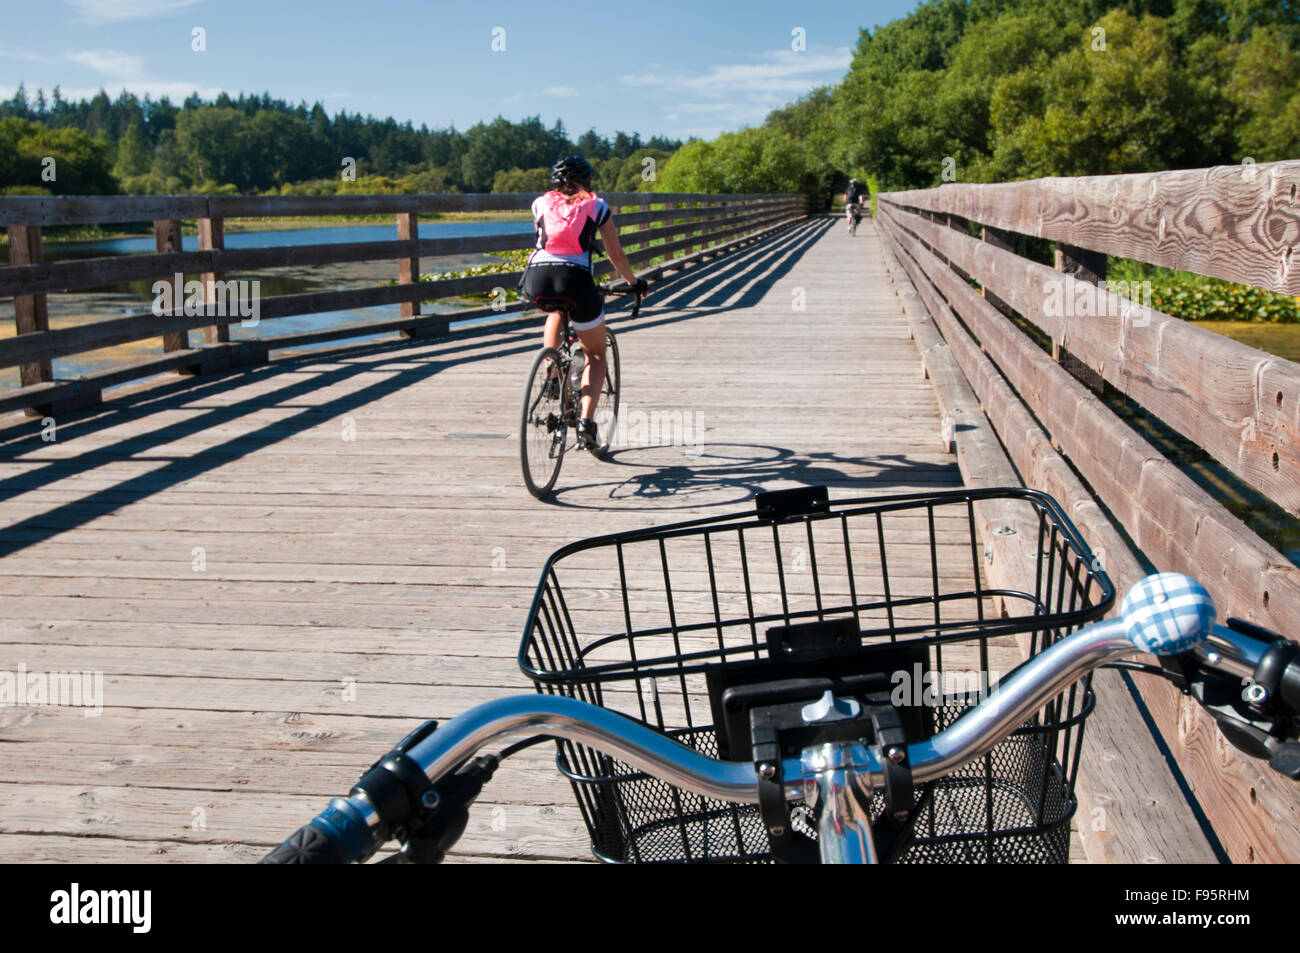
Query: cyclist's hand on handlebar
[641, 287]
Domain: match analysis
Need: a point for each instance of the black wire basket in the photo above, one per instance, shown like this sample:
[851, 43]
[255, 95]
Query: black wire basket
[640, 622]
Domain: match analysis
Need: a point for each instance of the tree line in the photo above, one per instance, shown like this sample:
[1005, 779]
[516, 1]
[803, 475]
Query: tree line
[997, 90]
[257, 144]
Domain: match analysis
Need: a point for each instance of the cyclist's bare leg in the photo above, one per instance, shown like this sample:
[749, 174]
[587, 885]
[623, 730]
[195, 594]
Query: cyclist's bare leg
[551, 336]
[593, 375]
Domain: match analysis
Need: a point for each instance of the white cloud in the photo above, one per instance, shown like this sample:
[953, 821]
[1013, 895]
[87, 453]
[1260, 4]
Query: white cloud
[22, 55]
[785, 72]
[742, 93]
[713, 107]
[111, 63]
[560, 91]
[126, 71]
[114, 11]
[157, 89]
[702, 132]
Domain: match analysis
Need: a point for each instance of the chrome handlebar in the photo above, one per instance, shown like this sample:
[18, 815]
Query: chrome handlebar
[1167, 613]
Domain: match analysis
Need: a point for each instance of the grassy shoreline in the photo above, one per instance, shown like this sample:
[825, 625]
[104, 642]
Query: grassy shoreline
[1282, 340]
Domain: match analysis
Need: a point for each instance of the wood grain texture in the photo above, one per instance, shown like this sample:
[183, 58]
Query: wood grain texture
[31, 311]
[212, 237]
[1131, 809]
[1240, 404]
[167, 241]
[1241, 223]
[372, 559]
[1179, 528]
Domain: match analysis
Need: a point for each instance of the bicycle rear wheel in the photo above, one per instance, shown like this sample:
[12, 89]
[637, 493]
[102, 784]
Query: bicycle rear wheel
[607, 408]
[541, 423]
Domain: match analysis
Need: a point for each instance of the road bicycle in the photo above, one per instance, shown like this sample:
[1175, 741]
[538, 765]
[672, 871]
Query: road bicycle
[855, 217]
[553, 401]
[784, 685]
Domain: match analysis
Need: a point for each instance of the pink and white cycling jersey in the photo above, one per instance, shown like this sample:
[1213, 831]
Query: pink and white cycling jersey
[566, 227]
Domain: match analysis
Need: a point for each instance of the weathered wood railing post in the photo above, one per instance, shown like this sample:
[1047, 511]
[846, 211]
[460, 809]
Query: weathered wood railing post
[1081, 264]
[408, 269]
[31, 312]
[212, 237]
[167, 241]
[408, 273]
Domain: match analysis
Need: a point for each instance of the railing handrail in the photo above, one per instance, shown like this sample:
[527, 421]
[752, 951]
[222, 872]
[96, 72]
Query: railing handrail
[1243, 414]
[120, 209]
[1240, 223]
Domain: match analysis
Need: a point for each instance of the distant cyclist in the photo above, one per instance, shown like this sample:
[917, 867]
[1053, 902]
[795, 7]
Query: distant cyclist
[856, 195]
[559, 272]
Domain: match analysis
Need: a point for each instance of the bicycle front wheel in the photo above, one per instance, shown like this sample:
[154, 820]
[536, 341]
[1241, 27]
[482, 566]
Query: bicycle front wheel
[607, 409]
[541, 423]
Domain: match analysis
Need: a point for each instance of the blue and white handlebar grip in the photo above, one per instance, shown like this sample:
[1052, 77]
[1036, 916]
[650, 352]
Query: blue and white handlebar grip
[1167, 613]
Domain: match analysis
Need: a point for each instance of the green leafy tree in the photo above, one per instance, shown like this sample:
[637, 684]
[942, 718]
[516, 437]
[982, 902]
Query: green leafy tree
[522, 180]
[432, 179]
[639, 172]
[133, 153]
[274, 148]
[752, 160]
[1265, 84]
[1129, 107]
[78, 164]
[209, 139]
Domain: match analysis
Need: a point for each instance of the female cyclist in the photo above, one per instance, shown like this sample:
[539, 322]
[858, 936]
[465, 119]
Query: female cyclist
[559, 272]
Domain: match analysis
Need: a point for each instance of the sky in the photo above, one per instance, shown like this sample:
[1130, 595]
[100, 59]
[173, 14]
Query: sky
[658, 67]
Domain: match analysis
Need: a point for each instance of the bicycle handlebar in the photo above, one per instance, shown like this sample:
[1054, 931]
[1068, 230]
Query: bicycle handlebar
[1164, 614]
[624, 288]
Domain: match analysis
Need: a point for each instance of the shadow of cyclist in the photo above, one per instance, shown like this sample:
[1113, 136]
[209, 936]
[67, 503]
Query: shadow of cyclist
[733, 473]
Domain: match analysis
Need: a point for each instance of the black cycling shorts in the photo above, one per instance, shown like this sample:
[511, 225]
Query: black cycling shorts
[563, 287]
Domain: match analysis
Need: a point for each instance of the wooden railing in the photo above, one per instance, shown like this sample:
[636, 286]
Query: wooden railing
[1241, 405]
[681, 228]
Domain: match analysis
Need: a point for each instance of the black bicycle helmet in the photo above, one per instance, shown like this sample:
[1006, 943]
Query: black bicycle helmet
[572, 170]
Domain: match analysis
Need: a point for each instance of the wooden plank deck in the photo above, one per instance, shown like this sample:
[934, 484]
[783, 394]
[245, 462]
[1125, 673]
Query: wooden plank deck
[273, 604]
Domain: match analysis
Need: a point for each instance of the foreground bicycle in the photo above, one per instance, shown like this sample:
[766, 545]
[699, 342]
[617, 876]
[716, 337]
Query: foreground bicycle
[793, 684]
[553, 399]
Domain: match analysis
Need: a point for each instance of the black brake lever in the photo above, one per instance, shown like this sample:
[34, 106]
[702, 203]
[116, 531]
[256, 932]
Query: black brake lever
[1259, 715]
[443, 817]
